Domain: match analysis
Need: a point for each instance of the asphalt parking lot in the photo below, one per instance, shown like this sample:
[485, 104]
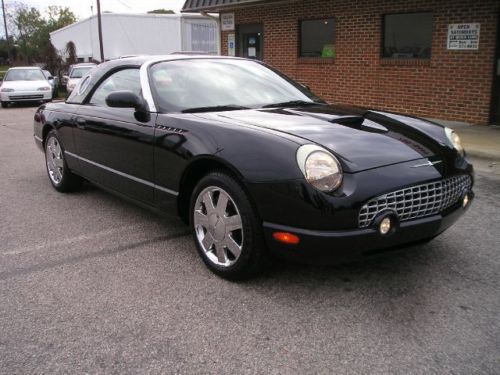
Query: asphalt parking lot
[92, 284]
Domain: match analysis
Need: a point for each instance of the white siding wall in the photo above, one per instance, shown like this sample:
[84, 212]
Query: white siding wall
[128, 34]
[200, 35]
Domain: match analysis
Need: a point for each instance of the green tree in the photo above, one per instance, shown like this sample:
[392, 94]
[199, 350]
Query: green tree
[161, 11]
[33, 29]
[71, 53]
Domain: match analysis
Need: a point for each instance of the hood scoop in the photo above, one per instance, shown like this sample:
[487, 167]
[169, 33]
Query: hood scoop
[352, 121]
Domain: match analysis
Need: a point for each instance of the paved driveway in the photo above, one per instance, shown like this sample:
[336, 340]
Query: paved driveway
[92, 284]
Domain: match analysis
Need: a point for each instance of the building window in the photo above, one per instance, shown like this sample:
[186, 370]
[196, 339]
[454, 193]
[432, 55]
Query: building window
[407, 36]
[317, 38]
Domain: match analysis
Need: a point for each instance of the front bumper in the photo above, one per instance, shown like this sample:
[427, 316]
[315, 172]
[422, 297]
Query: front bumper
[329, 247]
[25, 96]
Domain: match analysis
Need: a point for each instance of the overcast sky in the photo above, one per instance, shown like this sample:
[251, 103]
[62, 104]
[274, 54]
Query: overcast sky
[82, 8]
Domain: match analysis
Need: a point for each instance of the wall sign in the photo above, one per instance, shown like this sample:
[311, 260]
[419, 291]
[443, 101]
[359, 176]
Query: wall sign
[231, 45]
[227, 21]
[463, 36]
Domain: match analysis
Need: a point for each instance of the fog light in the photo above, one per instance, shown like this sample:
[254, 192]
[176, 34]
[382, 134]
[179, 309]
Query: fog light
[385, 226]
[465, 202]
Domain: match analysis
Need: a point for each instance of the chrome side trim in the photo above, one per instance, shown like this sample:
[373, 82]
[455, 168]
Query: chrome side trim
[37, 138]
[130, 177]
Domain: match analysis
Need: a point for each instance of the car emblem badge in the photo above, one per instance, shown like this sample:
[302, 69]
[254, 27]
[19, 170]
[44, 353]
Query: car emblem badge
[427, 164]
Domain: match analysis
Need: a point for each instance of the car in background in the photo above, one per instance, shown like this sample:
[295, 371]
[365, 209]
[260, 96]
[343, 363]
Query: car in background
[53, 82]
[76, 73]
[25, 84]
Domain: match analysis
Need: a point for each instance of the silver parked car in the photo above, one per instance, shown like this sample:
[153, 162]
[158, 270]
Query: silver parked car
[76, 73]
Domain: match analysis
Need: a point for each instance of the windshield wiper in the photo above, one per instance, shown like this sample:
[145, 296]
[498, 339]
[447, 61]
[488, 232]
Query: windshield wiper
[216, 108]
[292, 103]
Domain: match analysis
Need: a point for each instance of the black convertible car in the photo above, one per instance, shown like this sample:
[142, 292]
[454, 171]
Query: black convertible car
[255, 162]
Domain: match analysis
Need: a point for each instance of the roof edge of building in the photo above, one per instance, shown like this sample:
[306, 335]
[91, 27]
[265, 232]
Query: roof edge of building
[219, 5]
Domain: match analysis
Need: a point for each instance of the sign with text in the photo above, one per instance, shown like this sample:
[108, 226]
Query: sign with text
[463, 36]
[231, 45]
[227, 21]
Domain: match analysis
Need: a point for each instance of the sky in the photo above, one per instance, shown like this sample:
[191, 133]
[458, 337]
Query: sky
[82, 8]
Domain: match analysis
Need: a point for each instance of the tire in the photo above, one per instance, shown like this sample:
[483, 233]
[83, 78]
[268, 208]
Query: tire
[61, 178]
[5, 104]
[229, 240]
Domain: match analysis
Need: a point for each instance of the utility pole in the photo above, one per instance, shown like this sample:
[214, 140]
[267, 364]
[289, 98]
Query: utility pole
[99, 27]
[6, 31]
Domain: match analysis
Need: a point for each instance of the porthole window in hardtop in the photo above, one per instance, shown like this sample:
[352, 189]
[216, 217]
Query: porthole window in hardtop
[126, 79]
[317, 38]
[407, 36]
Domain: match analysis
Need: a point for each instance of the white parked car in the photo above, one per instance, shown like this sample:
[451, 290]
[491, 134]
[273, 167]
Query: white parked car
[25, 84]
[76, 73]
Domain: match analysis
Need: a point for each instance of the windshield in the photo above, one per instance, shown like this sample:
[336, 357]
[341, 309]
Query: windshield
[79, 72]
[24, 75]
[183, 85]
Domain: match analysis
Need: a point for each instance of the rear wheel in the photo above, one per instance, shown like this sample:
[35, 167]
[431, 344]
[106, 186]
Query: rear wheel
[226, 229]
[5, 104]
[60, 176]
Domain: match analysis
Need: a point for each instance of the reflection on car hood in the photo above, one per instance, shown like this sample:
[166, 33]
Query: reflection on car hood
[24, 85]
[363, 139]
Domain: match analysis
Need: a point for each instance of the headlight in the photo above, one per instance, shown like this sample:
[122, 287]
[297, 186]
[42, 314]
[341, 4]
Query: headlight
[455, 140]
[320, 168]
[6, 89]
[45, 88]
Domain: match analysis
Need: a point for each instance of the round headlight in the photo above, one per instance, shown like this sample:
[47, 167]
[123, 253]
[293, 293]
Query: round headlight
[455, 141]
[320, 168]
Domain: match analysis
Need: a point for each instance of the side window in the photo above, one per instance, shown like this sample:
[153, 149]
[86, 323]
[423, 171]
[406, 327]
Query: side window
[126, 79]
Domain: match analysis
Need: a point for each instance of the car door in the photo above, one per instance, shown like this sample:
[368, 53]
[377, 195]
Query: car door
[115, 149]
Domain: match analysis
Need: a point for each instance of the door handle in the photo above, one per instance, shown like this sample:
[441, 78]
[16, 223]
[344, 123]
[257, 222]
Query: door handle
[80, 123]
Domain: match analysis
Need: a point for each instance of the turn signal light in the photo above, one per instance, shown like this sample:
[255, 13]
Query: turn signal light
[288, 238]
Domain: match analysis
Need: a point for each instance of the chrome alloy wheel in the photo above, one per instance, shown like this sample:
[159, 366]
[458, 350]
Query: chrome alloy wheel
[218, 226]
[55, 160]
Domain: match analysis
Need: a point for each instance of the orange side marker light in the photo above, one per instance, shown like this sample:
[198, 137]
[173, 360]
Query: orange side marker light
[288, 238]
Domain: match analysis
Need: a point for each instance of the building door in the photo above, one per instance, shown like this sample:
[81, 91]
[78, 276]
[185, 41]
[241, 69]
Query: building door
[495, 98]
[251, 41]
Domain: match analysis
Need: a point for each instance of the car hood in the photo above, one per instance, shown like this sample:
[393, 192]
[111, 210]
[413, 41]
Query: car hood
[362, 139]
[25, 85]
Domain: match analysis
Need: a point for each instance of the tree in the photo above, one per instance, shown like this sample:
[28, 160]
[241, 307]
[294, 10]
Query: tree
[71, 53]
[53, 62]
[33, 29]
[161, 11]
[29, 23]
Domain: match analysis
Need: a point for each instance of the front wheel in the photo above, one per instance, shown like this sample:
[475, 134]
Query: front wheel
[60, 176]
[5, 104]
[226, 230]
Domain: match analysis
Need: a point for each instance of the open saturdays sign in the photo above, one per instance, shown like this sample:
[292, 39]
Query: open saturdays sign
[463, 36]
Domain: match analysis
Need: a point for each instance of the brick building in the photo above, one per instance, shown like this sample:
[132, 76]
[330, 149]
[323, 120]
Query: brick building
[431, 58]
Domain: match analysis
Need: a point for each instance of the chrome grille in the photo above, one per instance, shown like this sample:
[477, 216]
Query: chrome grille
[416, 201]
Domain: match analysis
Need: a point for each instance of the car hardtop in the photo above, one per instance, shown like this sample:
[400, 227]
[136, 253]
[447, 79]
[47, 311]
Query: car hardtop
[138, 61]
[25, 68]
